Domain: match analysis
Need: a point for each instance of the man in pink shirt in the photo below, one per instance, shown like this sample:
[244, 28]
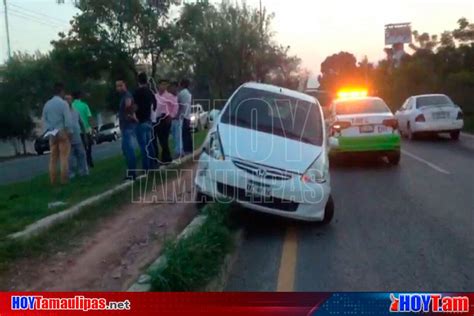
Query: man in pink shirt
[167, 109]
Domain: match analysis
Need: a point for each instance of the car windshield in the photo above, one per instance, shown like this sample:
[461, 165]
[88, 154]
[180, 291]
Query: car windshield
[275, 114]
[194, 109]
[107, 126]
[361, 106]
[436, 100]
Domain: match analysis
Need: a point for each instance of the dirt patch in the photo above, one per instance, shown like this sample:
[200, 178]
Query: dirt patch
[112, 257]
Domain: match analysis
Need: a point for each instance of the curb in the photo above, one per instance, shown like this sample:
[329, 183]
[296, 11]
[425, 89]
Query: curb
[143, 284]
[468, 135]
[47, 222]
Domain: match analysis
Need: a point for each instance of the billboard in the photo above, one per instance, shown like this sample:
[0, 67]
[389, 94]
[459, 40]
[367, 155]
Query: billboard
[399, 33]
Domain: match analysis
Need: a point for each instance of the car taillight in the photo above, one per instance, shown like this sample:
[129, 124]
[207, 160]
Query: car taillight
[338, 126]
[460, 116]
[393, 123]
[420, 118]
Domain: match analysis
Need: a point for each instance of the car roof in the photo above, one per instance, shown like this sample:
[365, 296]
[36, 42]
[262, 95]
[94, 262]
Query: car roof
[279, 90]
[430, 95]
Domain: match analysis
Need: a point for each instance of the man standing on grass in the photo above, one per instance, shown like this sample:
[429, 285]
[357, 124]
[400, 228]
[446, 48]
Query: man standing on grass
[128, 125]
[185, 100]
[77, 158]
[177, 125]
[58, 127]
[166, 110]
[86, 117]
[146, 103]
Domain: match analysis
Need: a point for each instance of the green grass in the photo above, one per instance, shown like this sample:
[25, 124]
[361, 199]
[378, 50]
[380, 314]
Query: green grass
[26, 202]
[469, 123]
[194, 261]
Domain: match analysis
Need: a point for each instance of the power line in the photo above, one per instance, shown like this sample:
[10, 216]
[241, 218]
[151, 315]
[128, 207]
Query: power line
[33, 17]
[29, 18]
[37, 13]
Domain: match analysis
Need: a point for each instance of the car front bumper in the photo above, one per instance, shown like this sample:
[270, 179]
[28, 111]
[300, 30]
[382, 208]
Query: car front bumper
[438, 127]
[365, 143]
[291, 198]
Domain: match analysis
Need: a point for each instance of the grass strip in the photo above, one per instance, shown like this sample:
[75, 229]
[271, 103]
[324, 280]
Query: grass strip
[24, 203]
[195, 260]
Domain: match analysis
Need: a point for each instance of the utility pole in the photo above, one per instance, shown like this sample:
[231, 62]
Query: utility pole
[7, 29]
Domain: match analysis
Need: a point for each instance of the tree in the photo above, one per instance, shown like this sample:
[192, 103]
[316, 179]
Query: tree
[339, 70]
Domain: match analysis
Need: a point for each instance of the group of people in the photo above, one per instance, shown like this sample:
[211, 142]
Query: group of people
[67, 122]
[150, 116]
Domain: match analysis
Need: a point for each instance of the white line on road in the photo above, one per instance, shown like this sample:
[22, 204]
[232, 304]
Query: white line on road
[429, 164]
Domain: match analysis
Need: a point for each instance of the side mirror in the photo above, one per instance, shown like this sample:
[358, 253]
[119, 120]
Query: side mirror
[214, 114]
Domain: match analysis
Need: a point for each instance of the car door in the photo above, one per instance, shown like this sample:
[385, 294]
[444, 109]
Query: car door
[401, 115]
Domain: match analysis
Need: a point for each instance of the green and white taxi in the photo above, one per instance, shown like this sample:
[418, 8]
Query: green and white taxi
[363, 125]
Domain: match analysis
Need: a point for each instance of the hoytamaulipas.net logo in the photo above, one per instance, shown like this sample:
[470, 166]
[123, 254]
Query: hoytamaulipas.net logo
[428, 303]
[76, 303]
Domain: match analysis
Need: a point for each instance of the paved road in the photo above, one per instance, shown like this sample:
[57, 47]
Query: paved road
[23, 169]
[404, 228]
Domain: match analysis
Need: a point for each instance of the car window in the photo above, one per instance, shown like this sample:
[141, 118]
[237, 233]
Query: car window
[107, 126]
[360, 106]
[275, 114]
[437, 100]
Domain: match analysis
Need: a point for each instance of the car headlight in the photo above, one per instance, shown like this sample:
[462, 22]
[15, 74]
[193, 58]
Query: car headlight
[318, 172]
[214, 147]
[193, 118]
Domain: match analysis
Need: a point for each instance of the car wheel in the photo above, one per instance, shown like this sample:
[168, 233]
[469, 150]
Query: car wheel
[39, 152]
[455, 135]
[394, 158]
[328, 211]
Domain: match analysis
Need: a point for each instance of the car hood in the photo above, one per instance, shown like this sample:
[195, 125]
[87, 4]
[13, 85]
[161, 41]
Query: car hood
[267, 149]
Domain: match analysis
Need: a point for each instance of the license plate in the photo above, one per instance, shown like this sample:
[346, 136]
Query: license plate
[258, 190]
[440, 115]
[366, 129]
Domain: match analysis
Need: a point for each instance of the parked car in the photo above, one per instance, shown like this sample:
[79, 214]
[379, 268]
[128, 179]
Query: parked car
[41, 144]
[199, 118]
[267, 151]
[213, 115]
[430, 113]
[108, 133]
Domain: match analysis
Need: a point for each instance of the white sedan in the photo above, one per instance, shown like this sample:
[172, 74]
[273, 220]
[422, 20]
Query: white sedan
[430, 113]
[267, 151]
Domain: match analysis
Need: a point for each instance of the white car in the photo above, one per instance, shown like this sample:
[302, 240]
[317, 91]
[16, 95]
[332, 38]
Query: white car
[430, 113]
[364, 125]
[108, 133]
[267, 151]
[199, 118]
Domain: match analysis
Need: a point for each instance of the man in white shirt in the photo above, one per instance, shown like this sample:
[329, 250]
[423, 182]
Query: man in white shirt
[185, 100]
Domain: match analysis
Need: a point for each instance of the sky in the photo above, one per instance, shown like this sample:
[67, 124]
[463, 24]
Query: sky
[314, 29]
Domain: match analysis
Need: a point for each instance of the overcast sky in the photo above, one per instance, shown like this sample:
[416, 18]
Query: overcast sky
[313, 28]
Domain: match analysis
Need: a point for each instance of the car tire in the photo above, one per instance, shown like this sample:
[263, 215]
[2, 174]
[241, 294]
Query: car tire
[114, 137]
[39, 152]
[328, 211]
[394, 158]
[455, 135]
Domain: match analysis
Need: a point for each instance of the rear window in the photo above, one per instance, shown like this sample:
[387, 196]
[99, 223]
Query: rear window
[107, 126]
[437, 100]
[275, 114]
[361, 106]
